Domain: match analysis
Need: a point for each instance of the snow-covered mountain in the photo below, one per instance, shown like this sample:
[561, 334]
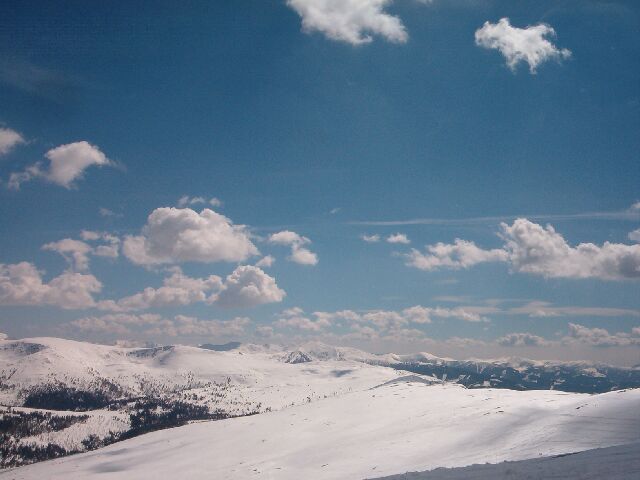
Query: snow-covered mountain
[258, 374]
[122, 392]
[309, 411]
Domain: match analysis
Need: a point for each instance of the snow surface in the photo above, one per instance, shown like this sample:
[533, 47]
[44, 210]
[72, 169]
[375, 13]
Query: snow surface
[613, 463]
[399, 426]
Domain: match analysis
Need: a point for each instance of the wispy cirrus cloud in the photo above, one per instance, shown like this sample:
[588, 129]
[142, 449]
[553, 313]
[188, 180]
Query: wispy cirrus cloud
[53, 85]
[533, 308]
[153, 325]
[540, 309]
[632, 214]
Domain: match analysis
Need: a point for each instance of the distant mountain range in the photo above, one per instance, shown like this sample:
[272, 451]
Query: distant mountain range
[514, 373]
[526, 375]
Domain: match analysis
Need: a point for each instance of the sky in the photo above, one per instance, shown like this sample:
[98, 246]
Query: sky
[452, 176]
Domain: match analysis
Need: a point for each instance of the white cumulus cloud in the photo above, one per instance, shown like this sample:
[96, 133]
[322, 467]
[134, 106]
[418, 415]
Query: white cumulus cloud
[530, 44]
[248, 286]
[299, 253]
[287, 237]
[266, 261]
[177, 290]
[303, 256]
[521, 340]
[460, 254]
[22, 284]
[542, 251]
[174, 235]
[599, 337]
[186, 200]
[67, 164]
[105, 212]
[77, 252]
[296, 319]
[531, 248]
[398, 238]
[9, 139]
[74, 251]
[185, 326]
[350, 21]
[110, 246]
[375, 238]
[395, 319]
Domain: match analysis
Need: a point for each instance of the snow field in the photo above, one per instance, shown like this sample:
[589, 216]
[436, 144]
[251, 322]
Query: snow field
[394, 428]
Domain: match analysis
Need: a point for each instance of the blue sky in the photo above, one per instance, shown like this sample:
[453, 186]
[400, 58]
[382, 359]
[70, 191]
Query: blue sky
[370, 118]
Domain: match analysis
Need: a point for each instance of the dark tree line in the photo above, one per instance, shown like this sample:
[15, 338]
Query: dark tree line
[59, 397]
[26, 424]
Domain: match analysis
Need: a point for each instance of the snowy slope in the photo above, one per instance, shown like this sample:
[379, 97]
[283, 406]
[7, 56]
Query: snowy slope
[99, 423]
[399, 426]
[613, 463]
